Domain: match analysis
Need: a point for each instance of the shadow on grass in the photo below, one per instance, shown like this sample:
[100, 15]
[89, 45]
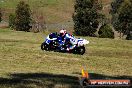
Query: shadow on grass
[101, 76]
[47, 80]
[39, 80]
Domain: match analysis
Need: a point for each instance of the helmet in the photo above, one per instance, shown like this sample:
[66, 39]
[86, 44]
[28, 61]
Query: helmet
[65, 31]
[62, 32]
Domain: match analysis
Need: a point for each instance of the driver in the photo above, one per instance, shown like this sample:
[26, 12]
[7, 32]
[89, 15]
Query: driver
[67, 38]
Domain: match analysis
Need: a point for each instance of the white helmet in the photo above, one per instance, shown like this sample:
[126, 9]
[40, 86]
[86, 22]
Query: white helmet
[62, 32]
[65, 31]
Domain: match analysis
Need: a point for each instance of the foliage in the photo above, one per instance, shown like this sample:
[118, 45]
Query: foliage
[122, 16]
[106, 32]
[125, 17]
[115, 5]
[11, 20]
[86, 17]
[23, 17]
[129, 36]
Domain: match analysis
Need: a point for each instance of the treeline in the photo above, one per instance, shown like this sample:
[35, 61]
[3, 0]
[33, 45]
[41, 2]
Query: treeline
[88, 18]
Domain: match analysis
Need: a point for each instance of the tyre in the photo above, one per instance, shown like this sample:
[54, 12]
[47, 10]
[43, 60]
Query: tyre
[81, 50]
[45, 46]
[54, 45]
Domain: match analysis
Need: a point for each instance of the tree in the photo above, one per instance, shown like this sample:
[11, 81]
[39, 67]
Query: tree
[129, 36]
[125, 17]
[106, 32]
[23, 17]
[122, 16]
[86, 17]
[115, 5]
[12, 20]
[0, 15]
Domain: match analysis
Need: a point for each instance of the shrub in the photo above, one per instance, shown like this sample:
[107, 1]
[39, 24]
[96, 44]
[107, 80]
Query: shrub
[106, 32]
[129, 36]
[23, 17]
[86, 17]
[11, 20]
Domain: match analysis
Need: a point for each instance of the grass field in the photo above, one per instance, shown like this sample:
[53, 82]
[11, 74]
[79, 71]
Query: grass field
[54, 11]
[24, 64]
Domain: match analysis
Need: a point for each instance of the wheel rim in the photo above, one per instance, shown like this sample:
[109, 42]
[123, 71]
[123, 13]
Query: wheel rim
[46, 47]
[42, 46]
[82, 50]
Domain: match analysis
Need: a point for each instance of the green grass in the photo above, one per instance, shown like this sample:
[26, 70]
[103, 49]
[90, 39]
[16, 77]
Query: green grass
[13, 3]
[24, 64]
[54, 11]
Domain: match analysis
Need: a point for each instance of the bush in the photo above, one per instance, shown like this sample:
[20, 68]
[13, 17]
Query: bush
[106, 32]
[11, 20]
[23, 17]
[86, 17]
[129, 36]
[121, 12]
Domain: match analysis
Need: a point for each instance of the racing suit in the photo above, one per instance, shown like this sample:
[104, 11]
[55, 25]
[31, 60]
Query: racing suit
[71, 39]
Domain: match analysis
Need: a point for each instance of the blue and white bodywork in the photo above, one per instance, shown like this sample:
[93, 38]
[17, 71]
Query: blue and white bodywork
[56, 43]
